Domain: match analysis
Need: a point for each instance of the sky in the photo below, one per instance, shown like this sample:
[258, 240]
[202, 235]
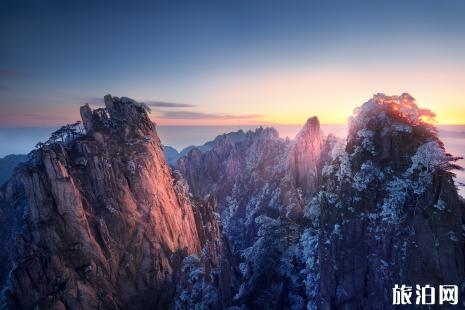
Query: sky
[229, 62]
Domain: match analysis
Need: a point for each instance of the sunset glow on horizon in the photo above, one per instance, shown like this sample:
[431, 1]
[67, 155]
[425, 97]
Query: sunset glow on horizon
[240, 63]
[280, 97]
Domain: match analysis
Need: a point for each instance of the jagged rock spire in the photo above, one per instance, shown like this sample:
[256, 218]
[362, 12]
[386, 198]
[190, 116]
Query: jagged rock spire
[305, 156]
[103, 234]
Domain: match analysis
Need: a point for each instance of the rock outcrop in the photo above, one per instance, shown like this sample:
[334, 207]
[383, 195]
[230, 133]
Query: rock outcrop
[104, 218]
[381, 208]
[260, 174]
[261, 183]
[305, 156]
[248, 220]
[390, 213]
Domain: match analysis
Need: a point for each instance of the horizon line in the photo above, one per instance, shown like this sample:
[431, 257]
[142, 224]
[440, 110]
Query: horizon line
[216, 125]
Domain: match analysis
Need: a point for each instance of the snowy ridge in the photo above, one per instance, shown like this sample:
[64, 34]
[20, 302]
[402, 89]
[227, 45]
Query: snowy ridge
[247, 221]
[321, 223]
[380, 194]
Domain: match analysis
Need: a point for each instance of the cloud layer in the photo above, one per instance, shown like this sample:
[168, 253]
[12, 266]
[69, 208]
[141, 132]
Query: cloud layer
[152, 103]
[164, 104]
[199, 115]
[163, 110]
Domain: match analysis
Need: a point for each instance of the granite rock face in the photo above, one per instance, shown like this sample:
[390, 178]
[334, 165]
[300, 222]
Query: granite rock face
[262, 184]
[247, 221]
[321, 223]
[390, 213]
[305, 155]
[261, 174]
[103, 218]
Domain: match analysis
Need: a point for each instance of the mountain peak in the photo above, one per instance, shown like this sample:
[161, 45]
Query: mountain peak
[312, 121]
[305, 156]
[119, 113]
[401, 108]
[108, 199]
[388, 189]
[310, 129]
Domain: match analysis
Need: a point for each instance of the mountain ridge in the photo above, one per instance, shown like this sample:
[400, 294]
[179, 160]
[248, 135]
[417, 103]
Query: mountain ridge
[104, 219]
[251, 220]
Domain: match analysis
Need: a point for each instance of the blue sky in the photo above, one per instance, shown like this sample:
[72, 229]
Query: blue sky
[229, 62]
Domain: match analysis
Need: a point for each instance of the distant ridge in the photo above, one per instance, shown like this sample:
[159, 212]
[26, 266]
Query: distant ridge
[8, 164]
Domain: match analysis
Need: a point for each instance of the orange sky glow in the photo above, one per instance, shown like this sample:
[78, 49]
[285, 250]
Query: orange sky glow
[332, 95]
[276, 97]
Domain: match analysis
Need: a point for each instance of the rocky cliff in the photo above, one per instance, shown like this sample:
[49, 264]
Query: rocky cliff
[262, 183]
[104, 223]
[260, 174]
[327, 224]
[390, 213]
[305, 155]
[97, 219]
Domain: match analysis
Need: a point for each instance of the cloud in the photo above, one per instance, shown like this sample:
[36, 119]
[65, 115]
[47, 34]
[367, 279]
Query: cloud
[41, 117]
[163, 104]
[91, 100]
[200, 115]
[152, 103]
[162, 109]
